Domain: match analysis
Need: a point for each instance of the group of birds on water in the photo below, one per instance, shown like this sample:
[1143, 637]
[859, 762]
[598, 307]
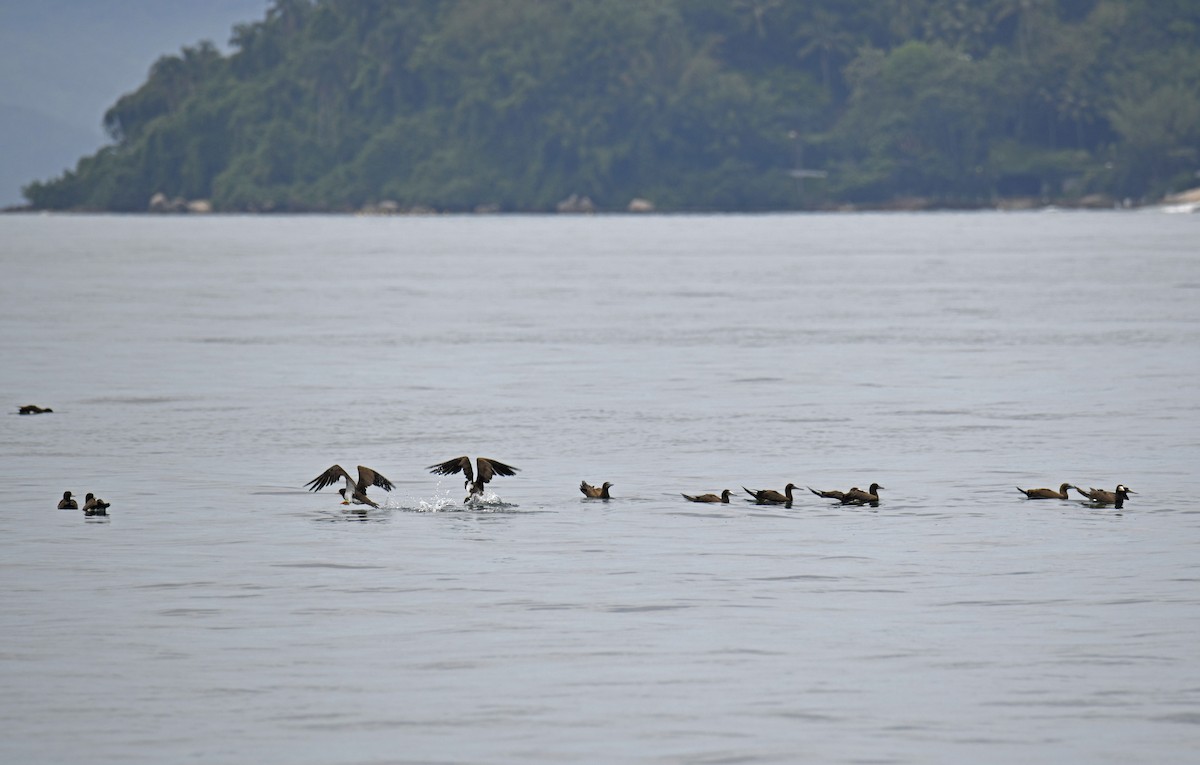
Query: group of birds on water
[1116, 498]
[354, 491]
[92, 505]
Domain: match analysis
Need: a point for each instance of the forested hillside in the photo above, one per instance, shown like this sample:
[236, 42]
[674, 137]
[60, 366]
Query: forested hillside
[692, 104]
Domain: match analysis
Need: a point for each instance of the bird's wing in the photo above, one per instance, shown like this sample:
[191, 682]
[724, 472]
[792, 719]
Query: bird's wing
[368, 477]
[456, 465]
[488, 468]
[328, 478]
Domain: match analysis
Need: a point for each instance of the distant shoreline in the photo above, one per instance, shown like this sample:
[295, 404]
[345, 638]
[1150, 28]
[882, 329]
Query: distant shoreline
[1184, 202]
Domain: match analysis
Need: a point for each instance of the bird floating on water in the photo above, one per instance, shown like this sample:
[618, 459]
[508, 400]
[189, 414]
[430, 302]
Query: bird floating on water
[352, 492]
[1047, 493]
[34, 409]
[857, 496]
[485, 470]
[713, 498]
[93, 505]
[595, 492]
[67, 502]
[772, 497]
[831, 494]
[1115, 498]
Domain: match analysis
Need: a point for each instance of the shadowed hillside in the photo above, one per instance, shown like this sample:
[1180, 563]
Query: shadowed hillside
[691, 104]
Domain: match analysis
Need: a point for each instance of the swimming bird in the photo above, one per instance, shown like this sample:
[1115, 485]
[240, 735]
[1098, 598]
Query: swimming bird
[832, 494]
[857, 496]
[772, 497]
[595, 492]
[723, 498]
[353, 492]
[34, 409]
[485, 469]
[1047, 493]
[93, 505]
[1116, 497]
[67, 503]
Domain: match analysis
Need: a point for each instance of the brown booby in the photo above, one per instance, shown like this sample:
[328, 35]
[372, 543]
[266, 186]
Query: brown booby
[93, 505]
[857, 496]
[1116, 497]
[772, 497]
[831, 494]
[67, 503]
[723, 498]
[595, 492]
[485, 469]
[1047, 493]
[352, 492]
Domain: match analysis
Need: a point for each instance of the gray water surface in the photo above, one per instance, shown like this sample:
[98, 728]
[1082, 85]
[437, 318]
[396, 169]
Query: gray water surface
[203, 369]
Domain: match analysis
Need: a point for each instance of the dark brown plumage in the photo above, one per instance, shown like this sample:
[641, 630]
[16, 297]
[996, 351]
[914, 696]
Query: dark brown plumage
[595, 492]
[711, 498]
[485, 470]
[67, 503]
[832, 494]
[857, 496]
[93, 505]
[1115, 498]
[772, 497]
[353, 491]
[34, 409]
[1047, 493]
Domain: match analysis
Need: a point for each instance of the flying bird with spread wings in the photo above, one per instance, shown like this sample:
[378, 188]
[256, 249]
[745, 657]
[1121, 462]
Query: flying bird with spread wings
[485, 470]
[352, 492]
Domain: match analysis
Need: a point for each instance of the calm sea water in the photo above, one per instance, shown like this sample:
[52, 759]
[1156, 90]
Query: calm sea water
[203, 369]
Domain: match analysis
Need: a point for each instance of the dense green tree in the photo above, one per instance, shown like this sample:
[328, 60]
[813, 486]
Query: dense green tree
[696, 104]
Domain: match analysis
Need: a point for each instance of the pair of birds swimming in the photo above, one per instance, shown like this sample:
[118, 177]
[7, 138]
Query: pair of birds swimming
[1116, 497]
[356, 491]
[92, 505]
[855, 496]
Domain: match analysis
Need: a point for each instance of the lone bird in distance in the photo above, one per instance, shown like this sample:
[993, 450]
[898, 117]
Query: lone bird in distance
[485, 470]
[352, 492]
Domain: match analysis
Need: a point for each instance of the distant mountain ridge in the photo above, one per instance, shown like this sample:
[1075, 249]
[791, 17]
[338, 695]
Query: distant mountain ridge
[689, 104]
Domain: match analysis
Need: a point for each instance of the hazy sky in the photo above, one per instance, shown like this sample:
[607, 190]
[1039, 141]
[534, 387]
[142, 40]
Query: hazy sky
[64, 62]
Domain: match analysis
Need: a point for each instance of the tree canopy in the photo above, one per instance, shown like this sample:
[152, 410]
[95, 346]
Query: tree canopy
[694, 104]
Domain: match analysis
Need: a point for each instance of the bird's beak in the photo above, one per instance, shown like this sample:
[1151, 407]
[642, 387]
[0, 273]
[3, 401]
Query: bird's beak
[345, 501]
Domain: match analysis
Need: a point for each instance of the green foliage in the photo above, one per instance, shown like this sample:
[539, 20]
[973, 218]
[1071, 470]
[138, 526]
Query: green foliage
[695, 104]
